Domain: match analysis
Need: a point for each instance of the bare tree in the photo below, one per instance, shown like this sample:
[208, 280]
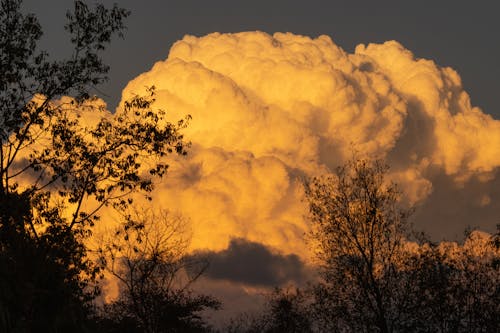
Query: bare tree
[358, 230]
[149, 258]
[375, 280]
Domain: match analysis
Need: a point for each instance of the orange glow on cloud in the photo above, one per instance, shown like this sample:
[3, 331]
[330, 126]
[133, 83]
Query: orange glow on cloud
[269, 110]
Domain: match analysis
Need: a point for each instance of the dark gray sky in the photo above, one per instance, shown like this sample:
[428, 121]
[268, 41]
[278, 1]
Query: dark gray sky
[461, 34]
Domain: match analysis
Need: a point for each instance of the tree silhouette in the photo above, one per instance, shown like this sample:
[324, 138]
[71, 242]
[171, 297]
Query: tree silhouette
[285, 310]
[451, 287]
[376, 280]
[358, 226]
[57, 171]
[148, 257]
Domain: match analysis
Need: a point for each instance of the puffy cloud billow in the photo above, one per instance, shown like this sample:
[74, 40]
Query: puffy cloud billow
[270, 110]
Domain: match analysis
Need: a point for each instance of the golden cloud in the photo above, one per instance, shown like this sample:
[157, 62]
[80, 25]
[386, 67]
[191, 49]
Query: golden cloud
[270, 110]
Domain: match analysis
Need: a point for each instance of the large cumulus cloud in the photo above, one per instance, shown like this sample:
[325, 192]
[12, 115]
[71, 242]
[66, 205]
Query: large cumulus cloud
[270, 110]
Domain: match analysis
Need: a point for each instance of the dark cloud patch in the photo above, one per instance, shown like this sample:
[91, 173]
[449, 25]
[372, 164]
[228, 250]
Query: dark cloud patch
[255, 264]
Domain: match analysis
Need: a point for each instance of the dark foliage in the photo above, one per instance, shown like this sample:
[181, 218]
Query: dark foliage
[42, 288]
[52, 164]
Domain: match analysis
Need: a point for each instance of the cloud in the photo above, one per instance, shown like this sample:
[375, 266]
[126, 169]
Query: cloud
[269, 110]
[463, 137]
[252, 263]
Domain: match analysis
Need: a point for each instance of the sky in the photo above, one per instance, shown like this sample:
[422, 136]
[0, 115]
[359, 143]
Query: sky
[459, 34]
[284, 90]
